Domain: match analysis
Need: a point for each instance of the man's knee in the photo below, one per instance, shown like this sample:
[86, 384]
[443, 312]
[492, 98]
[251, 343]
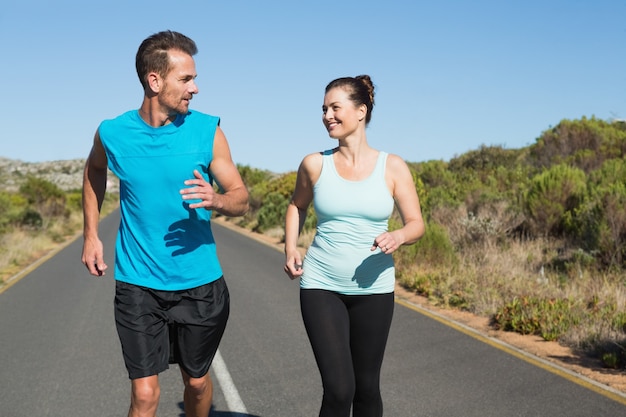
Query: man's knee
[198, 387]
[146, 392]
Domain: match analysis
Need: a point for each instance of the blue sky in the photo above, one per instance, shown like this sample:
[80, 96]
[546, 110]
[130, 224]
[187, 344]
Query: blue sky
[450, 75]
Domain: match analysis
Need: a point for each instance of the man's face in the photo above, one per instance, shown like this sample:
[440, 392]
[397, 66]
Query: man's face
[179, 85]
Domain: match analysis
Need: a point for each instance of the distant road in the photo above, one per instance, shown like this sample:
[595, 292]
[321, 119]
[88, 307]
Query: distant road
[59, 353]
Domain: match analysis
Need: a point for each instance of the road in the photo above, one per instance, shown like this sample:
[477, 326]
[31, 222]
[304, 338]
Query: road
[60, 356]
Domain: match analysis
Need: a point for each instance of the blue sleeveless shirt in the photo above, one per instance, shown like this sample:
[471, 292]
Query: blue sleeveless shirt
[350, 214]
[161, 244]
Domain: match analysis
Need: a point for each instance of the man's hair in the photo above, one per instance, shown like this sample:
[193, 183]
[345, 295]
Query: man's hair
[152, 55]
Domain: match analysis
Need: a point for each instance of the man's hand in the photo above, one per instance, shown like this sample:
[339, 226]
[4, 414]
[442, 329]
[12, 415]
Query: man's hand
[93, 257]
[200, 189]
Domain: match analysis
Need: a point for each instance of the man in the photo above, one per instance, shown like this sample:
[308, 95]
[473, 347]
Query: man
[169, 282]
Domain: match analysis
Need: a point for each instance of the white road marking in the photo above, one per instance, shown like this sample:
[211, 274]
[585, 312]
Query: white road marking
[233, 400]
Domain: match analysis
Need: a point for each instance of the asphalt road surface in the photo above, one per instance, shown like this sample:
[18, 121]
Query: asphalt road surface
[60, 356]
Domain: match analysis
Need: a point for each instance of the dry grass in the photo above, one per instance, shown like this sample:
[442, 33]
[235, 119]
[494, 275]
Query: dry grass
[488, 276]
[491, 272]
[21, 247]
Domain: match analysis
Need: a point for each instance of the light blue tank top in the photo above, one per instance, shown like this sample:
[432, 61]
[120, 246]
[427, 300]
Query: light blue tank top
[350, 214]
[162, 243]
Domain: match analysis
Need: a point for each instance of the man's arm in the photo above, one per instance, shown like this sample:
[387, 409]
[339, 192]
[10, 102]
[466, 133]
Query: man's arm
[234, 199]
[94, 187]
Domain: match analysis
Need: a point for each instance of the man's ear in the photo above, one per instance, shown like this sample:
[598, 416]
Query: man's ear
[154, 82]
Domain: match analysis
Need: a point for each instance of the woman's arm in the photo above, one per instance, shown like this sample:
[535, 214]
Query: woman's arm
[402, 188]
[308, 173]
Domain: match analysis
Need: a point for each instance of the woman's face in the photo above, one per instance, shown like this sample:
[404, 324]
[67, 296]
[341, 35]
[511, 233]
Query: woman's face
[340, 116]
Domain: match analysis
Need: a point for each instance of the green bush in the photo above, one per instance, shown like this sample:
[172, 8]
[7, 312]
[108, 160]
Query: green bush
[74, 201]
[584, 143]
[272, 212]
[599, 224]
[548, 318]
[253, 176]
[30, 219]
[485, 161]
[437, 185]
[273, 198]
[12, 207]
[47, 198]
[552, 194]
[434, 249]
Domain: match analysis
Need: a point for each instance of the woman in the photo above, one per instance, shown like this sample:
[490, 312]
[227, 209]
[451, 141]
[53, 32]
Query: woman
[347, 277]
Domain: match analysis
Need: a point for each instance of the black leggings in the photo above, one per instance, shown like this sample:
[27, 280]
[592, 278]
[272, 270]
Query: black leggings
[348, 334]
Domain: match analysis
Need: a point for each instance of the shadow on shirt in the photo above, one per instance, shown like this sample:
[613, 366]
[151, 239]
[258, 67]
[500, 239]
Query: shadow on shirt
[188, 234]
[371, 268]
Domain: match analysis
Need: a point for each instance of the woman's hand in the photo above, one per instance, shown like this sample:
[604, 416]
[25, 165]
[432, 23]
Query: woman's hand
[388, 242]
[293, 265]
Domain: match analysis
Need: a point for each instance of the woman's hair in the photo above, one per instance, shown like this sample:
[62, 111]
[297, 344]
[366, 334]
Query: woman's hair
[360, 91]
[152, 55]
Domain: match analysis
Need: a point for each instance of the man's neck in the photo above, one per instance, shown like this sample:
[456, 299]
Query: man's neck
[152, 114]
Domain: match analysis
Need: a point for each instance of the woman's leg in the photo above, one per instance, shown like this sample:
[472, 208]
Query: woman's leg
[326, 321]
[370, 321]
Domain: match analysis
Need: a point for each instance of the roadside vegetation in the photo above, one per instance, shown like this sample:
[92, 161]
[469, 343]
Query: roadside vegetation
[36, 215]
[532, 238]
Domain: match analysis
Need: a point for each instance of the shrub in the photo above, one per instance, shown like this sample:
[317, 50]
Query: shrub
[553, 194]
[47, 198]
[437, 185]
[74, 201]
[485, 161]
[584, 143]
[272, 212]
[253, 176]
[599, 224]
[12, 207]
[31, 219]
[435, 247]
[548, 318]
[275, 197]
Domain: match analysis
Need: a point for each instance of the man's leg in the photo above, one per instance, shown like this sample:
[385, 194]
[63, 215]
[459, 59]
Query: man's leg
[200, 318]
[198, 395]
[144, 398]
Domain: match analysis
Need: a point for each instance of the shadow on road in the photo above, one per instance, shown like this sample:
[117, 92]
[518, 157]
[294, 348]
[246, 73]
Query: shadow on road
[216, 413]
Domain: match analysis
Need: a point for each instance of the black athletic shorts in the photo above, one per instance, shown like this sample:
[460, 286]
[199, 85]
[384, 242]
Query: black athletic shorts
[161, 327]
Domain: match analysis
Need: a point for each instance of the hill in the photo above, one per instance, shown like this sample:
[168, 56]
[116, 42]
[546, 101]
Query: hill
[67, 175]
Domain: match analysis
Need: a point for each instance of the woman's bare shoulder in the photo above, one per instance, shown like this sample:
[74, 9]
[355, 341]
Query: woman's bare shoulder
[311, 166]
[312, 163]
[396, 163]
